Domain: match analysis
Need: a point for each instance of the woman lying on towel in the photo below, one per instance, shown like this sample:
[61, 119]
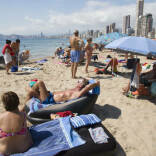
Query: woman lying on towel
[14, 136]
[40, 92]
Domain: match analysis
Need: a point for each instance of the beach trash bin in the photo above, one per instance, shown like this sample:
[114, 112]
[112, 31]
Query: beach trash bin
[14, 68]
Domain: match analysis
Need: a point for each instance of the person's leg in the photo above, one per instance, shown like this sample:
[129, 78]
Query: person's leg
[127, 88]
[75, 69]
[41, 88]
[87, 63]
[8, 66]
[72, 69]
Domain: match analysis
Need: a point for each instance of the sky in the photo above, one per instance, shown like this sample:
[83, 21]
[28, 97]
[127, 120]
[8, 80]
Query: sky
[29, 17]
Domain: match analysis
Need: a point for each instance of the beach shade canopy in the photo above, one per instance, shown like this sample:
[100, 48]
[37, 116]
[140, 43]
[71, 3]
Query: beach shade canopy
[136, 45]
[105, 39]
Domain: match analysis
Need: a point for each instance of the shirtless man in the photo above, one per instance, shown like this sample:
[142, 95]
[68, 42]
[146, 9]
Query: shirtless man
[40, 92]
[75, 43]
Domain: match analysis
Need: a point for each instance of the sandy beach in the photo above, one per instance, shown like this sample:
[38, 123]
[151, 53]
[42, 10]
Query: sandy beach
[131, 121]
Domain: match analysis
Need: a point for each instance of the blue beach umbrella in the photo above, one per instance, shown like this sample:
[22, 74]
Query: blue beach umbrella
[136, 45]
[105, 39]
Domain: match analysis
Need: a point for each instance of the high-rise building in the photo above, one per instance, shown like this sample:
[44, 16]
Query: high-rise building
[152, 34]
[146, 25]
[113, 27]
[107, 29]
[139, 14]
[126, 24]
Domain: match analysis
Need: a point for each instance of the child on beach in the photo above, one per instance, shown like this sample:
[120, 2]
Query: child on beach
[7, 53]
[88, 50]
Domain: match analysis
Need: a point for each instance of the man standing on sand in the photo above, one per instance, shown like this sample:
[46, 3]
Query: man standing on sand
[75, 43]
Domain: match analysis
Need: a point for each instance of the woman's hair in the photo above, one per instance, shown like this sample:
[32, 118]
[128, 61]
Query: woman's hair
[8, 42]
[89, 39]
[10, 101]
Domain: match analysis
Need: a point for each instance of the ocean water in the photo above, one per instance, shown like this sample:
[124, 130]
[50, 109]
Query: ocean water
[39, 48]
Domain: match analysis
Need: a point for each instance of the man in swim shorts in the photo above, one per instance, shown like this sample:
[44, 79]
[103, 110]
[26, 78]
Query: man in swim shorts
[39, 91]
[75, 43]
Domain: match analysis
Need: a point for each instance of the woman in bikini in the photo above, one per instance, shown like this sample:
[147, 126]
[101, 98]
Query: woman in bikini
[88, 50]
[14, 135]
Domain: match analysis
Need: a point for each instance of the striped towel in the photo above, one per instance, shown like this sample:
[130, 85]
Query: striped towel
[84, 120]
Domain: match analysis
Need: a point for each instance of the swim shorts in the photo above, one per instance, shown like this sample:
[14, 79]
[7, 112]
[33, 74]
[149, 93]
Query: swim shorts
[75, 56]
[49, 99]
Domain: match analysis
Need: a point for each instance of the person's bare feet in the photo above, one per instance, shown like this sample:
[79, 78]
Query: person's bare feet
[75, 77]
[8, 73]
[124, 90]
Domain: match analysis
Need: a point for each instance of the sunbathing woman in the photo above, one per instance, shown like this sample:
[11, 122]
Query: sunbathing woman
[14, 136]
[40, 92]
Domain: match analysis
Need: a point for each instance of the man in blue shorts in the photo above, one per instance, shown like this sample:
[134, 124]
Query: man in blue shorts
[39, 91]
[75, 43]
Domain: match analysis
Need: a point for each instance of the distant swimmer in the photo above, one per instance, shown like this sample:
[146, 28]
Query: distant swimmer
[76, 45]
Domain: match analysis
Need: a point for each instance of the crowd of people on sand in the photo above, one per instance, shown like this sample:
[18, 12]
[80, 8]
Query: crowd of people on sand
[14, 135]
[11, 54]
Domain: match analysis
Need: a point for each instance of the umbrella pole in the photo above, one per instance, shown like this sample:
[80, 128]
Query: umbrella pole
[18, 60]
[113, 64]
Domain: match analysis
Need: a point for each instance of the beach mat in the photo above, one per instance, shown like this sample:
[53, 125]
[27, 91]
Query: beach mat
[52, 137]
[90, 148]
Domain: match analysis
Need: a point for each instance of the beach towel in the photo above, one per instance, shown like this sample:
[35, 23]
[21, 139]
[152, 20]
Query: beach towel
[42, 61]
[84, 120]
[146, 66]
[95, 90]
[35, 104]
[29, 69]
[52, 137]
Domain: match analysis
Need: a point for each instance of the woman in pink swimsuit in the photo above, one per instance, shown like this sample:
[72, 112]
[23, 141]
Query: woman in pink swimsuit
[88, 52]
[14, 136]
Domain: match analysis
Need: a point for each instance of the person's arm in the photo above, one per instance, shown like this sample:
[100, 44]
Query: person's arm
[86, 47]
[88, 87]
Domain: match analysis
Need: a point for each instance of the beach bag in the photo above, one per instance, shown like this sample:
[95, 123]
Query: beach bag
[14, 68]
[153, 89]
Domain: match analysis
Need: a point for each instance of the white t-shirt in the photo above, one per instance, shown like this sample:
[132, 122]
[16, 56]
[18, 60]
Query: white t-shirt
[7, 57]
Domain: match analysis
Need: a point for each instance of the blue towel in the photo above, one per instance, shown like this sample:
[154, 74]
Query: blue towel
[52, 137]
[35, 104]
[84, 120]
[95, 90]
[42, 61]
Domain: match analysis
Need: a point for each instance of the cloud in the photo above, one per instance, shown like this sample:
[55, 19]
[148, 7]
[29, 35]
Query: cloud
[33, 21]
[94, 15]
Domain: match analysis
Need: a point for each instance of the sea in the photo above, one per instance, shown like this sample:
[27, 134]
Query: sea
[39, 48]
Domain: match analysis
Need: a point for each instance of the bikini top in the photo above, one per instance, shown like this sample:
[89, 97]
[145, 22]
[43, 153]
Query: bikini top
[21, 132]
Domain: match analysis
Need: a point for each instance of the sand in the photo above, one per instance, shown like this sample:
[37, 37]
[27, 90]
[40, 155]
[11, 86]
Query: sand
[131, 121]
